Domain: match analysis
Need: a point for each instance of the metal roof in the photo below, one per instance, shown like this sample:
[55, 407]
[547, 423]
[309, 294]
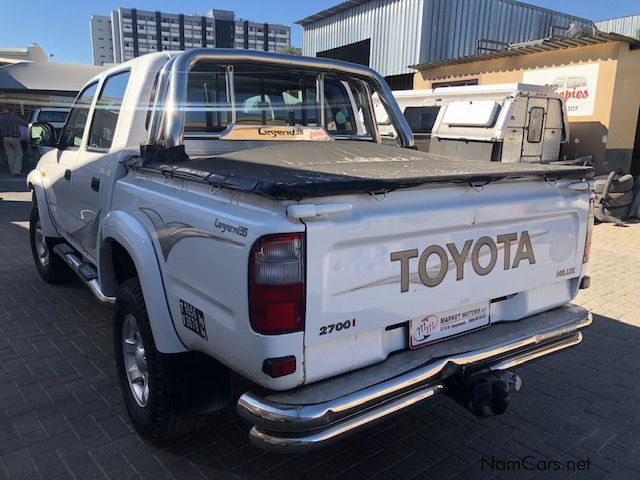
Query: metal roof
[331, 11]
[629, 25]
[352, 3]
[536, 46]
[46, 76]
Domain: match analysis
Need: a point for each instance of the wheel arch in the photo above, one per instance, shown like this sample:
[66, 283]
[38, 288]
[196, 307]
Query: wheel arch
[34, 183]
[125, 248]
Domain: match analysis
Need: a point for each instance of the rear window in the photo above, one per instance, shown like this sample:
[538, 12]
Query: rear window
[536, 121]
[207, 105]
[273, 97]
[421, 119]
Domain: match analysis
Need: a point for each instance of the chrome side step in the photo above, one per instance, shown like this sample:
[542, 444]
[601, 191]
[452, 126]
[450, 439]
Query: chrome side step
[85, 270]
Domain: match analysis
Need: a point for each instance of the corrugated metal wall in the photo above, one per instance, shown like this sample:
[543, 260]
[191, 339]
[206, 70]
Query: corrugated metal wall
[407, 32]
[392, 25]
[458, 24]
[629, 26]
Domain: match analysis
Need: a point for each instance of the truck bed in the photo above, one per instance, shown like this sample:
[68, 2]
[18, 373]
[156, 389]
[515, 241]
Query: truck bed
[296, 170]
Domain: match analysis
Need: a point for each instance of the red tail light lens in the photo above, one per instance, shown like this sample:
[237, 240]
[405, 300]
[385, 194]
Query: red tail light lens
[276, 284]
[587, 243]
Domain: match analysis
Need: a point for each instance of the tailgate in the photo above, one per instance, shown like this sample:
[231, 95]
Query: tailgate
[514, 248]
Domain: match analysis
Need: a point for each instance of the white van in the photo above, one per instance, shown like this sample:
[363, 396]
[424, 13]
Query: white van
[505, 122]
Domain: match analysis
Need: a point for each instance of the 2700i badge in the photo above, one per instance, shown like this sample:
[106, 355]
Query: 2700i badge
[432, 328]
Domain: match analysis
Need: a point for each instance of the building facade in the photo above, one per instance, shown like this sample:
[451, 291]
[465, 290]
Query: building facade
[137, 32]
[261, 36]
[390, 35]
[596, 74]
[101, 39]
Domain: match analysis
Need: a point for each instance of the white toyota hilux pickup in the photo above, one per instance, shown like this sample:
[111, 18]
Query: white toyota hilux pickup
[243, 215]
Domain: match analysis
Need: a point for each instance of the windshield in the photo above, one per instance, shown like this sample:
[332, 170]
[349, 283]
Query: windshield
[278, 97]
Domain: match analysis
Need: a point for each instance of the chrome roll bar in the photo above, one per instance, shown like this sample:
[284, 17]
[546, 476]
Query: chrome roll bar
[168, 116]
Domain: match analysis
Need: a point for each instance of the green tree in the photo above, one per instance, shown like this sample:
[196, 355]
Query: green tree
[291, 50]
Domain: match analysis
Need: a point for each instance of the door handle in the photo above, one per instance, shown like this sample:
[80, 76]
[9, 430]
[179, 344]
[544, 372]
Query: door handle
[67, 174]
[95, 184]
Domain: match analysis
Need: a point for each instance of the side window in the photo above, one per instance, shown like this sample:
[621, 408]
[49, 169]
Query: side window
[536, 121]
[421, 119]
[73, 130]
[105, 116]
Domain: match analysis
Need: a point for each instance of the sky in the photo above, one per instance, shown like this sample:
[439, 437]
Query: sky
[61, 27]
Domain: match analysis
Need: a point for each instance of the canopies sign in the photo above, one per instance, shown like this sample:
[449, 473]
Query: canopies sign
[577, 84]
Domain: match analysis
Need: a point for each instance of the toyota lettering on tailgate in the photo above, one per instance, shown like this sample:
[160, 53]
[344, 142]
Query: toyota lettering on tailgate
[469, 250]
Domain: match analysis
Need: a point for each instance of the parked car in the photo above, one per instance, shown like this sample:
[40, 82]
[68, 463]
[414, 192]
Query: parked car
[499, 123]
[243, 215]
[54, 116]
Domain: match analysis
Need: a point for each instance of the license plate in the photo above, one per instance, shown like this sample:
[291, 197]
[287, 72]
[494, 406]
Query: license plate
[435, 327]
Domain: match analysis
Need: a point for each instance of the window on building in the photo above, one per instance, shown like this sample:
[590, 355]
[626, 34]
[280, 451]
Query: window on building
[105, 117]
[73, 131]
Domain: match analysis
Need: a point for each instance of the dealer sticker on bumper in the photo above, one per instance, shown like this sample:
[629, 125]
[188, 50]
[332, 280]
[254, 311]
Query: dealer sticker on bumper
[434, 327]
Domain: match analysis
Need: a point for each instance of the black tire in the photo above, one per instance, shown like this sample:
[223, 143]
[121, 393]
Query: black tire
[618, 212]
[620, 184]
[619, 199]
[50, 266]
[157, 419]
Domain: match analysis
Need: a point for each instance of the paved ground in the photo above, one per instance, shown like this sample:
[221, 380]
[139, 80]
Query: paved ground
[61, 415]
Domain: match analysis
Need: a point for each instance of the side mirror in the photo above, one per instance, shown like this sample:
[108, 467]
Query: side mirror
[42, 134]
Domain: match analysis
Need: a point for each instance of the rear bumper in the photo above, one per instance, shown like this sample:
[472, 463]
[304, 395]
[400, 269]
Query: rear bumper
[296, 424]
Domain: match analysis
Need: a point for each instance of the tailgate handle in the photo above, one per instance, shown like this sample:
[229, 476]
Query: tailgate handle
[310, 210]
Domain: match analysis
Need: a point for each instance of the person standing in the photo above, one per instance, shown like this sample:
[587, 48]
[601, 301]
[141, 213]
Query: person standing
[10, 133]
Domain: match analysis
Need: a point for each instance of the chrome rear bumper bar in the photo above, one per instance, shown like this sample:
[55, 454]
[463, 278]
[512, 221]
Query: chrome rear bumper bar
[295, 427]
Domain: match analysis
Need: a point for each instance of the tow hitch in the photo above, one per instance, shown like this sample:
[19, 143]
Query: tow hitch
[484, 394]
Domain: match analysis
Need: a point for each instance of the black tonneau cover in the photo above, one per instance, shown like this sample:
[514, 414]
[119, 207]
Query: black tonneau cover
[296, 170]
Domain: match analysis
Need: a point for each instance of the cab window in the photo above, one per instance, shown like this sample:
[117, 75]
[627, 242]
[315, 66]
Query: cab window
[73, 130]
[105, 116]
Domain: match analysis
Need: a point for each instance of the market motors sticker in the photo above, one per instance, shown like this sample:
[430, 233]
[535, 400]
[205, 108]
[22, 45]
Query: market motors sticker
[435, 327]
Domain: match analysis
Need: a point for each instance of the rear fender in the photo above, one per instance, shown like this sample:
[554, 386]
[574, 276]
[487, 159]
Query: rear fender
[121, 227]
[34, 183]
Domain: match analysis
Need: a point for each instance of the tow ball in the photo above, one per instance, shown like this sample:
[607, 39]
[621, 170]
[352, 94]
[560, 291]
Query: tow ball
[483, 394]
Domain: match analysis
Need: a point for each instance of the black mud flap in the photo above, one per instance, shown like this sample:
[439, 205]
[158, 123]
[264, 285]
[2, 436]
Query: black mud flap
[198, 383]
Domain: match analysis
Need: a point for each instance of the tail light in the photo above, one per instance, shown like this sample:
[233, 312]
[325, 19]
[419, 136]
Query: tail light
[587, 243]
[276, 284]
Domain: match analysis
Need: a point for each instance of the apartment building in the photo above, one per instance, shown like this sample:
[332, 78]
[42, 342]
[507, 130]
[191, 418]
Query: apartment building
[261, 36]
[136, 32]
[101, 39]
